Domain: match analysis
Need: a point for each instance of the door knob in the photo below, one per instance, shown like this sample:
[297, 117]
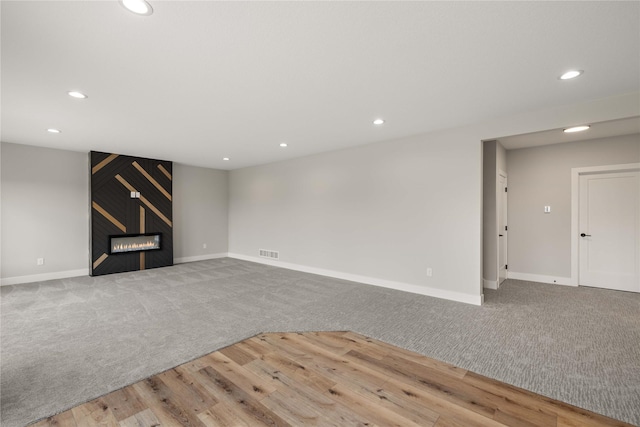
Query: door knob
[499, 235]
[585, 235]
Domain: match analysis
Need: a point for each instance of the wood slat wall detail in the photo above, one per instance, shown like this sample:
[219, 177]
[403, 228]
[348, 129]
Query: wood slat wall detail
[114, 212]
[322, 379]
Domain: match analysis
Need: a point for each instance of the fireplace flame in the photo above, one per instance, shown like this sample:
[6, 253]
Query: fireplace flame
[134, 246]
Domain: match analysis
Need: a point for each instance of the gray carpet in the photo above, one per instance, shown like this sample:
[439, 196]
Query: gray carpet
[67, 341]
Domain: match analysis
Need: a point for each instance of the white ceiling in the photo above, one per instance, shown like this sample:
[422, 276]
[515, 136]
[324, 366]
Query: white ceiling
[599, 130]
[199, 81]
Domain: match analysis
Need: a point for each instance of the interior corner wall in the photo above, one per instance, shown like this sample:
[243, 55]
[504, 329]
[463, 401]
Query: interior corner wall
[539, 243]
[45, 211]
[489, 215]
[200, 213]
[44, 199]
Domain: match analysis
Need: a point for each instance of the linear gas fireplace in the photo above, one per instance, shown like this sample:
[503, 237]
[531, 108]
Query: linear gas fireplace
[134, 243]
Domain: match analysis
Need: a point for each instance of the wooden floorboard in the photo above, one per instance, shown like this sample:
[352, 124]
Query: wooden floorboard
[322, 379]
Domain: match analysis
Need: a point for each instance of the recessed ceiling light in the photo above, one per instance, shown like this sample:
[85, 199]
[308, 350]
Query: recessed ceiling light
[139, 7]
[378, 121]
[76, 94]
[283, 144]
[576, 129]
[52, 130]
[226, 159]
[572, 74]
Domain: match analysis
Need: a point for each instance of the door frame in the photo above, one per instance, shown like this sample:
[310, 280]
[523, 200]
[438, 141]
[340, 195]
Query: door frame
[503, 207]
[575, 208]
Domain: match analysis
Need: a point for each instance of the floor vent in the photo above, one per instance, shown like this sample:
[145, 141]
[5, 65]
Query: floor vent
[269, 254]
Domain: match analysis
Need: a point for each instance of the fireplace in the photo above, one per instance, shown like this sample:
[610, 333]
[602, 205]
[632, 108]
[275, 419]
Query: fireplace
[126, 243]
[131, 213]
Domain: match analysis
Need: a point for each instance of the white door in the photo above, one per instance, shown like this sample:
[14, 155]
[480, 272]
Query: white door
[502, 228]
[609, 233]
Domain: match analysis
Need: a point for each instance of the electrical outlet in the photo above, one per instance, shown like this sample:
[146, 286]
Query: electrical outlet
[204, 246]
[40, 261]
[429, 272]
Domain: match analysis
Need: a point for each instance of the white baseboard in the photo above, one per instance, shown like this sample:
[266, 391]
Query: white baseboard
[554, 280]
[85, 272]
[44, 276]
[407, 287]
[490, 284]
[199, 258]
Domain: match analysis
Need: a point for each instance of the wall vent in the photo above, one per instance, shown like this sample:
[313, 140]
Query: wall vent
[269, 254]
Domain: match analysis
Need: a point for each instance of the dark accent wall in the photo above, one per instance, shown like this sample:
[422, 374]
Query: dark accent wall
[114, 212]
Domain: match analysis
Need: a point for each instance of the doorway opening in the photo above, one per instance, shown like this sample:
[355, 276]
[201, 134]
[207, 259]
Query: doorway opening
[542, 241]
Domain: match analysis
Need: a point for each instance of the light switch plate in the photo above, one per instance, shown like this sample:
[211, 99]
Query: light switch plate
[133, 194]
[547, 209]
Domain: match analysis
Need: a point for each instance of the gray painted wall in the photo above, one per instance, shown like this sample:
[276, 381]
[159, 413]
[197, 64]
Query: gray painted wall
[540, 243]
[199, 211]
[45, 214]
[387, 211]
[44, 197]
[501, 157]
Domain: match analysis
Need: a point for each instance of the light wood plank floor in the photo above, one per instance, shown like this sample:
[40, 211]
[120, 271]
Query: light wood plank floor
[322, 379]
